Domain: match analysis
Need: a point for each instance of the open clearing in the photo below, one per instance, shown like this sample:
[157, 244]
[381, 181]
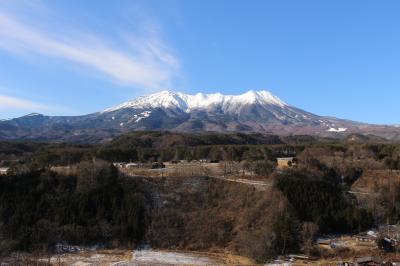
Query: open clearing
[138, 258]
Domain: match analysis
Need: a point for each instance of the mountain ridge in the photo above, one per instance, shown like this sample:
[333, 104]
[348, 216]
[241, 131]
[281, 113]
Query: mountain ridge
[187, 102]
[253, 111]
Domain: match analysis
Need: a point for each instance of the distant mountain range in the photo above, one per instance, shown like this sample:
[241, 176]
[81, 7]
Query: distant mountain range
[253, 111]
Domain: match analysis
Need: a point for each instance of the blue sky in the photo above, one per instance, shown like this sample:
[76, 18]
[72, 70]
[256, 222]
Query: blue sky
[339, 57]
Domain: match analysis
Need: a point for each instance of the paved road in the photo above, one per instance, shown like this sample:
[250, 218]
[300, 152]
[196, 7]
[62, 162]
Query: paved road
[263, 184]
[362, 193]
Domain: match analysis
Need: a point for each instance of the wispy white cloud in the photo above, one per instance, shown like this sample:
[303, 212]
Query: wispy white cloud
[148, 64]
[8, 102]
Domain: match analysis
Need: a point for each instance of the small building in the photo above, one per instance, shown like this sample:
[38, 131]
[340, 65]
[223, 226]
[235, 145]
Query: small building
[119, 165]
[132, 165]
[65, 170]
[323, 242]
[157, 165]
[337, 244]
[365, 238]
[286, 162]
[370, 261]
[4, 170]
[204, 160]
[345, 263]
[293, 257]
[372, 233]
[63, 248]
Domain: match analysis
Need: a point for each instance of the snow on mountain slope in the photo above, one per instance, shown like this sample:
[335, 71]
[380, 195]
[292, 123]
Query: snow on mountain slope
[253, 111]
[187, 102]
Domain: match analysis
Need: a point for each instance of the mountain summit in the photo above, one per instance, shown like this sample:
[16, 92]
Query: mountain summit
[253, 111]
[187, 102]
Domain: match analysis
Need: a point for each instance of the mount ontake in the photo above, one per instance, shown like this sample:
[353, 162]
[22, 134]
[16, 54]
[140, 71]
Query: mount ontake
[253, 111]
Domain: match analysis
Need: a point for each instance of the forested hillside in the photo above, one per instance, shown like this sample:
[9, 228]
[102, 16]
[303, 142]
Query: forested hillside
[41, 208]
[98, 204]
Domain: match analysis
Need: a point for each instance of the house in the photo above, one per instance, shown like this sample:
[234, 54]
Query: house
[119, 165]
[286, 162]
[365, 238]
[157, 165]
[67, 170]
[4, 170]
[345, 263]
[372, 233]
[63, 248]
[131, 165]
[293, 257]
[338, 244]
[323, 241]
[204, 160]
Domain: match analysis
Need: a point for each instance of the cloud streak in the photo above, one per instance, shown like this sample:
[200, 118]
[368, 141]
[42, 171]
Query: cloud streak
[149, 65]
[19, 104]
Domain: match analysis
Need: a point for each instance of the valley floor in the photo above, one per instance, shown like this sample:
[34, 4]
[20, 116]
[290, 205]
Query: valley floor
[129, 258]
[117, 257]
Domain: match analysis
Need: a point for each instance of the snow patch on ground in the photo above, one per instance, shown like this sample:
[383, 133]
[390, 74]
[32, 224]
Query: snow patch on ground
[145, 257]
[136, 118]
[340, 129]
[33, 114]
[170, 258]
[142, 115]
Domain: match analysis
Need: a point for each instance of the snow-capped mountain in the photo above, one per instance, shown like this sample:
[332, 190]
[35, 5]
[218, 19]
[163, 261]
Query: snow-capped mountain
[187, 103]
[253, 111]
